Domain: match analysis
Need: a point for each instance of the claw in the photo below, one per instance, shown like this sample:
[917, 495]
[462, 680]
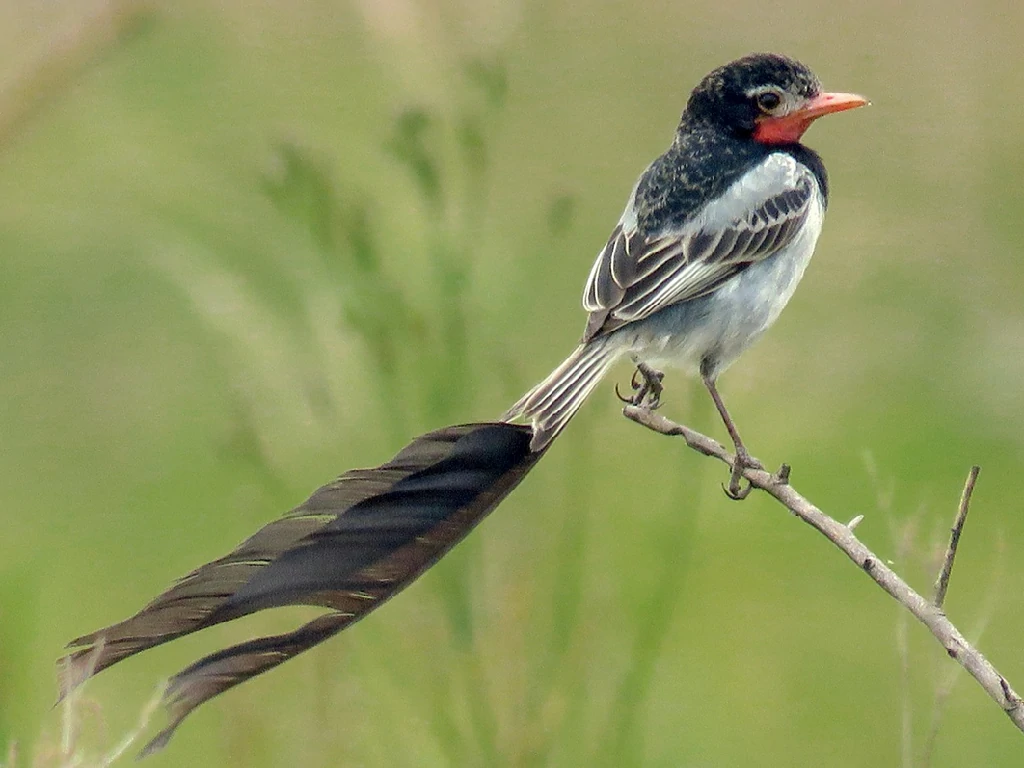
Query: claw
[646, 385]
[735, 490]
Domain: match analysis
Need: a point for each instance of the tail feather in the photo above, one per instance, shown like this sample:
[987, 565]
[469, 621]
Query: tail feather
[554, 401]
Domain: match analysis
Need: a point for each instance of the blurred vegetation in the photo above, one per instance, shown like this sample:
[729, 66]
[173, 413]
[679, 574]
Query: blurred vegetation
[246, 248]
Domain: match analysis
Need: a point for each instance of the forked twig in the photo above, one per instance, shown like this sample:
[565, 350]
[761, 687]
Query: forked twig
[927, 612]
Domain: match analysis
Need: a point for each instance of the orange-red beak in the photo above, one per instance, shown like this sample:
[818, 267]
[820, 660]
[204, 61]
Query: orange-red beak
[827, 103]
[789, 128]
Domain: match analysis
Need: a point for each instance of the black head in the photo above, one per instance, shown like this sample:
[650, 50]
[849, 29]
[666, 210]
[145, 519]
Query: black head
[734, 97]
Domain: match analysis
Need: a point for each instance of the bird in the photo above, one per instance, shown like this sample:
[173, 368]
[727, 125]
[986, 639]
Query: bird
[714, 238]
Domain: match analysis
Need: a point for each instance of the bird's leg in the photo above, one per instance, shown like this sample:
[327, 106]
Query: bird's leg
[743, 459]
[646, 385]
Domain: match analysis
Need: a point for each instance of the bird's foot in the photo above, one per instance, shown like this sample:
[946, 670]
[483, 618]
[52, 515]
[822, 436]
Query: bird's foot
[741, 461]
[647, 388]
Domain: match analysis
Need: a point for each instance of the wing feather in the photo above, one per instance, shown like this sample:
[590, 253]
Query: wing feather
[726, 245]
[655, 251]
[636, 275]
[623, 262]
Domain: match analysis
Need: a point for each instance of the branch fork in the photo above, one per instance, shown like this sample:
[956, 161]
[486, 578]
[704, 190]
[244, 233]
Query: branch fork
[928, 612]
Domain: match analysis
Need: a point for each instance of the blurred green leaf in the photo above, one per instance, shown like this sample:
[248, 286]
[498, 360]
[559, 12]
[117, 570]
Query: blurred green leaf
[491, 78]
[301, 187]
[561, 214]
[409, 145]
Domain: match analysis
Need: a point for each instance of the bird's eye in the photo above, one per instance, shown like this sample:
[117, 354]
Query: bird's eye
[768, 101]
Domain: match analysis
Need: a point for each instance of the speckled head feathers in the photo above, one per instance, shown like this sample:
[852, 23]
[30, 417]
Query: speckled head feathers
[723, 97]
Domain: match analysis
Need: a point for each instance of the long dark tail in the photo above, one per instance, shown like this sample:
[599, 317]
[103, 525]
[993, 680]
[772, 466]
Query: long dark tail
[554, 401]
[350, 547]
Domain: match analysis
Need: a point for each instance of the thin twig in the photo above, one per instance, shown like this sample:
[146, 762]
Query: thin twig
[944, 689]
[777, 485]
[942, 583]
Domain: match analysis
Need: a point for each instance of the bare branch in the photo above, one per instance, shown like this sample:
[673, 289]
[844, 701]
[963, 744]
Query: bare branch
[942, 583]
[944, 688]
[777, 485]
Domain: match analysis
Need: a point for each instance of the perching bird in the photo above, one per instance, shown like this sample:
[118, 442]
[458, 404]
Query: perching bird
[714, 239]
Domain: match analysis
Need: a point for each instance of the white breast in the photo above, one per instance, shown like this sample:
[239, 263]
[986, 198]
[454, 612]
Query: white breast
[720, 326]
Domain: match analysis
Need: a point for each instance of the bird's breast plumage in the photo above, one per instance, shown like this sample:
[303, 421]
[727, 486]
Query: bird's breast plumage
[641, 270]
[708, 333]
[696, 293]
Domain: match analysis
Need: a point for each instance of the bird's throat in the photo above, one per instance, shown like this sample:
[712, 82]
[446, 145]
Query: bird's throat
[782, 130]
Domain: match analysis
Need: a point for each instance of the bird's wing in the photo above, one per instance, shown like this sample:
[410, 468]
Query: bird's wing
[636, 275]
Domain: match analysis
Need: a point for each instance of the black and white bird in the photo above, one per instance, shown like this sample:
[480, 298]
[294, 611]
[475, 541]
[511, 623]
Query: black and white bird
[714, 239]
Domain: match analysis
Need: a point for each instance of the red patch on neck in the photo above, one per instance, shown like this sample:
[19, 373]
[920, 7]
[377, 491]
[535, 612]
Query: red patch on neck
[781, 130]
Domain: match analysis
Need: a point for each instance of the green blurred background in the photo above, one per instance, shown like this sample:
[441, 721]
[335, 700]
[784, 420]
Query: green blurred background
[247, 246]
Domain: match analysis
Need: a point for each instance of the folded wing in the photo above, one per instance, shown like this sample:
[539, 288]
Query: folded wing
[636, 275]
